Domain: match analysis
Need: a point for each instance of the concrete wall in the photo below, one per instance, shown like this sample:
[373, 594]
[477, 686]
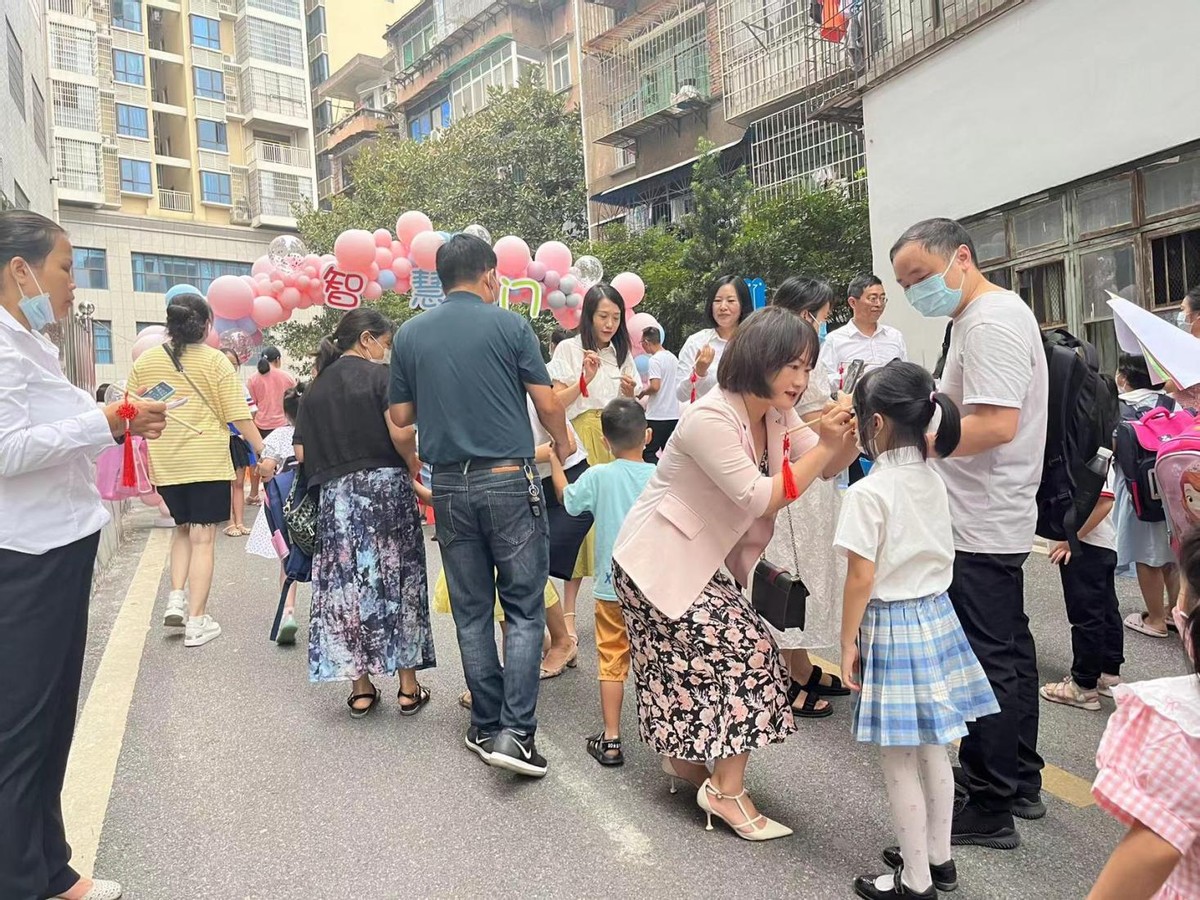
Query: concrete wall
[1052, 91]
[22, 161]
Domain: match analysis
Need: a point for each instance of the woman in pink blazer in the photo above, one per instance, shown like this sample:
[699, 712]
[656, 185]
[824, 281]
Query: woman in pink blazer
[710, 686]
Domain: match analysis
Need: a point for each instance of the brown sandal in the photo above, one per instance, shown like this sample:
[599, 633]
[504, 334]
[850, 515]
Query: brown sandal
[420, 698]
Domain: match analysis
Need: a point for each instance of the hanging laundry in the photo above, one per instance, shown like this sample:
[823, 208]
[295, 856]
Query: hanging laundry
[833, 24]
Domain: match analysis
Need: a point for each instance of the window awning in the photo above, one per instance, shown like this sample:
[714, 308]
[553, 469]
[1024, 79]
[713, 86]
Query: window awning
[673, 178]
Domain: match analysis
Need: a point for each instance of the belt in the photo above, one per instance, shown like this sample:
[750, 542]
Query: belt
[479, 465]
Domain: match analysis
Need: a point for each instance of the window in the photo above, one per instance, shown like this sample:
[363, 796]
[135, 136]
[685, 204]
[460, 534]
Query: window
[209, 83]
[133, 121]
[424, 123]
[127, 14]
[469, 91]
[1038, 225]
[135, 176]
[38, 116]
[318, 69]
[626, 157]
[1172, 185]
[129, 68]
[271, 42]
[1045, 289]
[20, 199]
[1111, 269]
[1103, 206]
[78, 165]
[1175, 261]
[215, 188]
[206, 32]
[102, 342]
[416, 39]
[72, 49]
[91, 268]
[275, 91]
[315, 22]
[560, 67]
[988, 237]
[16, 69]
[212, 135]
[323, 114]
[139, 327]
[156, 274]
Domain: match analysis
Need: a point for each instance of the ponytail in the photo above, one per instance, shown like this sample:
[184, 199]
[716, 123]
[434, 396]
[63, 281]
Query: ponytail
[263, 365]
[949, 430]
[327, 352]
[348, 331]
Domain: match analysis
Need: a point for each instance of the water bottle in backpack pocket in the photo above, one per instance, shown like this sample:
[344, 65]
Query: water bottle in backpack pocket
[1178, 472]
[1139, 437]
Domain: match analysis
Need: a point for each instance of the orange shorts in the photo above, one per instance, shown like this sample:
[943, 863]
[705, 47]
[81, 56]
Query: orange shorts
[612, 641]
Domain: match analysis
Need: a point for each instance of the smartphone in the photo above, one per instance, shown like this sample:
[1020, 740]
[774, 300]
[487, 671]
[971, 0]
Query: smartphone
[161, 391]
[851, 377]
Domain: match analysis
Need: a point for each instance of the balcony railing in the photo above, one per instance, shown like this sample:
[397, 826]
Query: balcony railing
[175, 201]
[79, 8]
[363, 121]
[278, 154]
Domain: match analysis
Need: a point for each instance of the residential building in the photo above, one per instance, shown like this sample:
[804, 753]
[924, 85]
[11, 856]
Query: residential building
[362, 95]
[183, 146]
[25, 169]
[652, 88]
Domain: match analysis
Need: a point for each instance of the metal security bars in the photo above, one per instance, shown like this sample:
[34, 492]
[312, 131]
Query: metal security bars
[792, 151]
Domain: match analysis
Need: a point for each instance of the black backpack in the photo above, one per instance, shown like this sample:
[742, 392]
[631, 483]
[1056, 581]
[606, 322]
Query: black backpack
[1137, 463]
[1082, 413]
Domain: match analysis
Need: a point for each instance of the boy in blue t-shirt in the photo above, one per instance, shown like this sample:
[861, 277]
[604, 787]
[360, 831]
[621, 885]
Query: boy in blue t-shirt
[608, 492]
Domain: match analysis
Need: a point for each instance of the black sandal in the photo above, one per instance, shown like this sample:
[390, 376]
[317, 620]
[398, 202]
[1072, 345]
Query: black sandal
[835, 687]
[601, 749]
[808, 709]
[420, 698]
[359, 712]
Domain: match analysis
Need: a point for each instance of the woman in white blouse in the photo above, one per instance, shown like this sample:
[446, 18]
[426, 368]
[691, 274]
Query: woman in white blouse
[50, 435]
[590, 370]
[728, 304]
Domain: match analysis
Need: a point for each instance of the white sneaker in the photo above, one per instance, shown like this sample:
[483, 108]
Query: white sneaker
[1106, 683]
[176, 613]
[200, 631]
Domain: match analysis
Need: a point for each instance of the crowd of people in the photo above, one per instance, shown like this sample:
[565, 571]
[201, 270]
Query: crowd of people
[903, 506]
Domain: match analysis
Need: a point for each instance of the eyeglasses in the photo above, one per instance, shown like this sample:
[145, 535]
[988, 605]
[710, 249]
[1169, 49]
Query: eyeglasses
[874, 301]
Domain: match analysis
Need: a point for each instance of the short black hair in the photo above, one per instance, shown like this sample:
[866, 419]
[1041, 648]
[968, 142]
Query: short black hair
[623, 424]
[28, 235]
[743, 293]
[652, 334]
[463, 259]
[768, 340]
[860, 283]
[1192, 299]
[803, 294]
[1133, 368]
[939, 236]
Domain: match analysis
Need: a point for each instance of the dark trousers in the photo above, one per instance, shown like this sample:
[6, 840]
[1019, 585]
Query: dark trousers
[1090, 592]
[999, 754]
[43, 632]
[660, 432]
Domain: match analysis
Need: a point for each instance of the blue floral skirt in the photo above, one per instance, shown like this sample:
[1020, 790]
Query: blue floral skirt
[921, 681]
[370, 600]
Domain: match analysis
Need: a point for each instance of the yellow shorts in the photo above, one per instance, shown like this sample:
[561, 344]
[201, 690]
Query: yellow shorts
[441, 597]
[612, 641]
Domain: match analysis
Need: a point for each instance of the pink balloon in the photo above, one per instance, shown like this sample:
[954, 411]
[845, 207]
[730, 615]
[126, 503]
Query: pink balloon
[306, 300]
[536, 271]
[230, 297]
[638, 323]
[267, 312]
[277, 285]
[423, 250]
[402, 267]
[326, 260]
[289, 298]
[303, 282]
[398, 250]
[552, 280]
[372, 271]
[249, 279]
[554, 255]
[568, 318]
[354, 250]
[288, 279]
[630, 287]
[263, 289]
[383, 237]
[372, 291]
[312, 261]
[403, 285]
[262, 266]
[383, 257]
[146, 341]
[512, 256]
[213, 339]
[409, 225]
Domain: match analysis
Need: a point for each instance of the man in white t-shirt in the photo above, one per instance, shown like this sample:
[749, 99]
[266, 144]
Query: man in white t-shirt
[996, 372]
[662, 409]
[864, 336]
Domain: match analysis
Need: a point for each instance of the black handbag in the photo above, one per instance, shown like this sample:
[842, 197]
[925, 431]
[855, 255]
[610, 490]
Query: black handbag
[776, 594]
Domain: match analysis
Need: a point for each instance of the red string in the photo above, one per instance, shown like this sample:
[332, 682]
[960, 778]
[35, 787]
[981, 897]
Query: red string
[789, 478]
[128, 412]
[695, 378]
[583, 390]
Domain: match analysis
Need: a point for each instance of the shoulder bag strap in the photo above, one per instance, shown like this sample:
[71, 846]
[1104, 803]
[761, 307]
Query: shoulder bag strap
[188, 378]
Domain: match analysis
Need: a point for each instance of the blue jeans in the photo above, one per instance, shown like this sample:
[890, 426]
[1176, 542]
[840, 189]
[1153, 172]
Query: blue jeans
[491, 544]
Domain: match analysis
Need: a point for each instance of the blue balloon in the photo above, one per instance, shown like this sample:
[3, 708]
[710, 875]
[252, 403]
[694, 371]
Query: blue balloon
[247, 325]
[223, 325]
[387, 279]
[643, 365]
[174, 292]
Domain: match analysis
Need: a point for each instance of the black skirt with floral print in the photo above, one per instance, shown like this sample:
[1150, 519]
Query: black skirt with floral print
[710, 684]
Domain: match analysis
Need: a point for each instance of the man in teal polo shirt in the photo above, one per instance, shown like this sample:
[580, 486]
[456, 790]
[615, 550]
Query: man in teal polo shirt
[461, 372]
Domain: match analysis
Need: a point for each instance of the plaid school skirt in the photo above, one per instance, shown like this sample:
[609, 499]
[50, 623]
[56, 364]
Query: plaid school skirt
[921, 682]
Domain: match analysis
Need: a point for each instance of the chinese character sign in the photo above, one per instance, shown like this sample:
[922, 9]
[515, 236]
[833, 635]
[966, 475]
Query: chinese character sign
[426, 289]
[512, 286]
[343, 290]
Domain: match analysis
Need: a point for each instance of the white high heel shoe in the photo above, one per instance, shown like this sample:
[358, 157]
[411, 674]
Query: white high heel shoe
[764, 829]
[669, 769]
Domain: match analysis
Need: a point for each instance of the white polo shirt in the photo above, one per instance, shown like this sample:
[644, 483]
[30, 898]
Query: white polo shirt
[663, 405]
[847, 343]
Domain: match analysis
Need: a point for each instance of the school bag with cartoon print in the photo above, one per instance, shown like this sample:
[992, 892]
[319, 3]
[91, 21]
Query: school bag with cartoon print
[1178, 472]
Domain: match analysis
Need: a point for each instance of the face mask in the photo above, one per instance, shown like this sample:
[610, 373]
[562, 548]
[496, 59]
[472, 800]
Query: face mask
[932, 297]
[1181, 319]
[822, 332]
[866, 439]
[37, 309]
[387, 353]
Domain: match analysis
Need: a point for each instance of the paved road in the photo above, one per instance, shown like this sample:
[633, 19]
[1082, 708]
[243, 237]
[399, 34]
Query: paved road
[237, 778]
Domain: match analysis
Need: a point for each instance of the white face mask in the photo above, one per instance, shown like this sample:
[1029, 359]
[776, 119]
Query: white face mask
[384, 360]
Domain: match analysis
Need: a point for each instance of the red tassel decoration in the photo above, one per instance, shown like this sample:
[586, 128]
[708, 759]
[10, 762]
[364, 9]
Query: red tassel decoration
[583, 391]
[789, 478]
[695, 378]
[128, 412]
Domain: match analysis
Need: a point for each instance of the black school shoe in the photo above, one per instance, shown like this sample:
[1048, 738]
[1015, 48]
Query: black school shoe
[945, 876]
[978, 827]
[480, 743]
[1029, 807]
[516, 752]
[865, 888]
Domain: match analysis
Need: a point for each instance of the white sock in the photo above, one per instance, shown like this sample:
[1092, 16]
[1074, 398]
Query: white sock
[937, 778]
[901, 774]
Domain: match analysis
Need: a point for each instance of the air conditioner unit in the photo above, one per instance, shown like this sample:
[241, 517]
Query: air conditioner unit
[240, 213]
[688, 97]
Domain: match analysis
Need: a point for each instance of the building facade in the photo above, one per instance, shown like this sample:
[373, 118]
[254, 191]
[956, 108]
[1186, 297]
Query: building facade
[25, 169]
[182, 146]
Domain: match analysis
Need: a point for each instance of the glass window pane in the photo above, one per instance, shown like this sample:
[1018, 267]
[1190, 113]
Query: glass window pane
[1172, 186]
[1001, 277]
[988, 235]
[1108, 204]
[1044, 288]
[1038, 225]
[1103, 336]
[102, 342]
[1175, 261]
[1112, 269]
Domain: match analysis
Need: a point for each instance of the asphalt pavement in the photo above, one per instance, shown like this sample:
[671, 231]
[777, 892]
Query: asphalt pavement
[237, 778]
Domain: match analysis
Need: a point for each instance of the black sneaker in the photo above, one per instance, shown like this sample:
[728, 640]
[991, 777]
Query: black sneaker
[1029, 807]
[516, 752]
[865, 888]
[480, 743]
[973, 825]
[945, 876]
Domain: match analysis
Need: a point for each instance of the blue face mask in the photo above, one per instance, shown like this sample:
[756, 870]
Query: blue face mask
[932, 297]
[37, 309]
[822, 332]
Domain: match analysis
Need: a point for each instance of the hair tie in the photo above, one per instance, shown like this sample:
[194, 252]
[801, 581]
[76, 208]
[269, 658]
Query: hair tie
[933, 397]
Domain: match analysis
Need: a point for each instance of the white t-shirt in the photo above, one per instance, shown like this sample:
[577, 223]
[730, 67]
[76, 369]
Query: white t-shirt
[664, 405]
[567, 365]
[847, 343]
[996, 359]
[542, 436]
[687, 362]
[899, 518]
[1105, 533]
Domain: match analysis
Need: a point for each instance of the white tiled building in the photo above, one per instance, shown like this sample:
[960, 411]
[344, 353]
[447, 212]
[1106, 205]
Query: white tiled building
[25, 149]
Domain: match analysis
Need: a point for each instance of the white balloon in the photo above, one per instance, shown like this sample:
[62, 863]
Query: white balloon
[574, 301]
[287, 253]
[480, 232]
[556, 299]
[591, 270]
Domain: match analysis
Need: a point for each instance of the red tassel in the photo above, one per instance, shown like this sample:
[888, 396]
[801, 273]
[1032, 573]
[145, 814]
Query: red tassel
[694, 380]
[128, 412]
[583, 391]
[789, 478]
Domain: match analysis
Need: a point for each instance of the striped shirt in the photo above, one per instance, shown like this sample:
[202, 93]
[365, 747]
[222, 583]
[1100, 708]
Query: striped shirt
[181, 456]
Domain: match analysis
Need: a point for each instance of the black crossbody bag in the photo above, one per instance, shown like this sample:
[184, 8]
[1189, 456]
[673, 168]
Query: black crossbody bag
[776, 594]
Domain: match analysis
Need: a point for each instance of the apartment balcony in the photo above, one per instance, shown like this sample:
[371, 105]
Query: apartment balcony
[361, 125]
[79, 167]
[79, 9]
[275, 198]
[175, 201]
[340, 182]
[268, 154]
[287, 9]
[273, 98]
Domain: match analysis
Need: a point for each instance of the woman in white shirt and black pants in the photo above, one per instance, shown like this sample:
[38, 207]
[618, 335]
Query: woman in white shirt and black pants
[50, 435]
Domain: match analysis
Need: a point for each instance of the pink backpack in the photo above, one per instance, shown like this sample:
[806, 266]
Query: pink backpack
[1177, 471]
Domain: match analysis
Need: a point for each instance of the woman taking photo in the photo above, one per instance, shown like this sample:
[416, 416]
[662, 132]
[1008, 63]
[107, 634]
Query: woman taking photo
[50, 435]
[710, 686]
[729, 303]
[191, 466]
[804, 531]
[370, 596]
[266, 388]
